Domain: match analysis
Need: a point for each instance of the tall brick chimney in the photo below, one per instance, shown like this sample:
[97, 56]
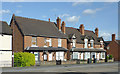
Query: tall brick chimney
[63, 27]
[81, 29]
[49, 19]
[59, 23]
[96, 32]
[113, 37]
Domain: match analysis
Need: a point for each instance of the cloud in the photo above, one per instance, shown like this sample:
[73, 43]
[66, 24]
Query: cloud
[18, 11]
[91, 11]
[105, 35]
[64, 15]
[81, 3]
[73, 19]
[4, 11]
[44, 16]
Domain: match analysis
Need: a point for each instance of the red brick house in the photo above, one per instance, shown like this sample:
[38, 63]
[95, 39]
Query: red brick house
[113, 48]
[84, 44]
[46, 39]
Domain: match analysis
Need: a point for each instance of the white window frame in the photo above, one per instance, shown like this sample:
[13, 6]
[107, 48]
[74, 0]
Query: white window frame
[102, 54]
[86, 43]
[74, 42]
[91, 43]
[101, 43]
[34, 41]
[59, 42]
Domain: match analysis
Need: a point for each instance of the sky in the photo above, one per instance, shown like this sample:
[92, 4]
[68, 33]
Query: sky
[103, 15]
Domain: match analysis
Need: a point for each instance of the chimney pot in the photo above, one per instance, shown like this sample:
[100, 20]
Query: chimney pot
[49, 19]
[63, 27]
[96, 32]
[81, 29]
[59, 23]
[113, 37]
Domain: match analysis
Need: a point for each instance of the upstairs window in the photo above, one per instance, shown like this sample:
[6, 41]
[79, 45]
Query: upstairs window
[91, 42]
[86, 43]
[34, 41]
[101, 44]
[59, 42]
[50, 42]
[74, 41]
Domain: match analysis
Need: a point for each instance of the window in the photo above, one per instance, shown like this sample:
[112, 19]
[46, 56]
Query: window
[59, 42]
[75, 55]
[86, 42]
[102, 55]
[101, 44]
[34, 41]
[91, 41]
[74, 41]
[108, 48]
[50, 42]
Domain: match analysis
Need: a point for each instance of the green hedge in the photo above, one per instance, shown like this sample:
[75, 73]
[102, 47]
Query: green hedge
[22, 59]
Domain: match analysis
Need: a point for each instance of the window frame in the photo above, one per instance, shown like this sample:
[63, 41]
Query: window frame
[59, 42]
[34, 41]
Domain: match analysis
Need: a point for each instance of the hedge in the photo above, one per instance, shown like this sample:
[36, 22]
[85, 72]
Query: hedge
[22, 59]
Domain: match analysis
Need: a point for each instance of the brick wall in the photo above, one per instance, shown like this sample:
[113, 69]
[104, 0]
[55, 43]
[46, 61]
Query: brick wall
[27, 41]
[79, 45]
[17, 38]
[113, 49]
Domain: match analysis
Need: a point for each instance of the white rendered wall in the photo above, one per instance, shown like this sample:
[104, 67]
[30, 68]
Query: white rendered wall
[6, 55]
[5, 42]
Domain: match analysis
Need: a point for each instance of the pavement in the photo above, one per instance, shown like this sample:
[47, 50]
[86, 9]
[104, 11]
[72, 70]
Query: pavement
[101, 67]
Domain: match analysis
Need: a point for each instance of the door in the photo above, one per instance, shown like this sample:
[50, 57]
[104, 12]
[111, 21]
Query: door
[36, 56]
[50, 56]
[45, 57]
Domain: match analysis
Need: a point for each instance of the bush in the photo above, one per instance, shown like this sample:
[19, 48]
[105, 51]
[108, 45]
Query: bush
[110, 56]
[22, 59]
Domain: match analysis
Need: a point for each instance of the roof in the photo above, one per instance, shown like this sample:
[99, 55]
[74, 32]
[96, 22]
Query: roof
[87, 50]
[34, 27]
[71, 31]
[108, 42]
[45, 49]
[118, 41]
[5, 28]
[79, 37]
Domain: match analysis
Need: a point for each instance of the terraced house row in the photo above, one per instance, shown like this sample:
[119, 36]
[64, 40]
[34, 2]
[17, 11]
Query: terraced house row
[51, 41]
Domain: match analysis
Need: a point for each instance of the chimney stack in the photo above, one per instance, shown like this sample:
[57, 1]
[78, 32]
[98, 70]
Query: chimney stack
[113, 37]
[81, 29]
[49, 19]
[63, 27]
[59, 23]
[96, 32]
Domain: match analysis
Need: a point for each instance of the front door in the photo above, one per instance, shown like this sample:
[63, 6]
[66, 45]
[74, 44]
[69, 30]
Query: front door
[45, 57]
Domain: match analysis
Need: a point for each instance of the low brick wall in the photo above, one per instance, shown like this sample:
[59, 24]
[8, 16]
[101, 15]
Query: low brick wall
[71, 62]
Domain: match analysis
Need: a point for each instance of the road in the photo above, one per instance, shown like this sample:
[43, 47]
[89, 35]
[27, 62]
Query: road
[103, 67]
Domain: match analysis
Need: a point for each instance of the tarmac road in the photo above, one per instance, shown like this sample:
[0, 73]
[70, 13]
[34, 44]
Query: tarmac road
[102, 67]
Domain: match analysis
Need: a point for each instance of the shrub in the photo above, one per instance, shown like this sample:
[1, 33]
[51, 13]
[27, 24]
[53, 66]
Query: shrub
[22, 59]
[110, 56]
